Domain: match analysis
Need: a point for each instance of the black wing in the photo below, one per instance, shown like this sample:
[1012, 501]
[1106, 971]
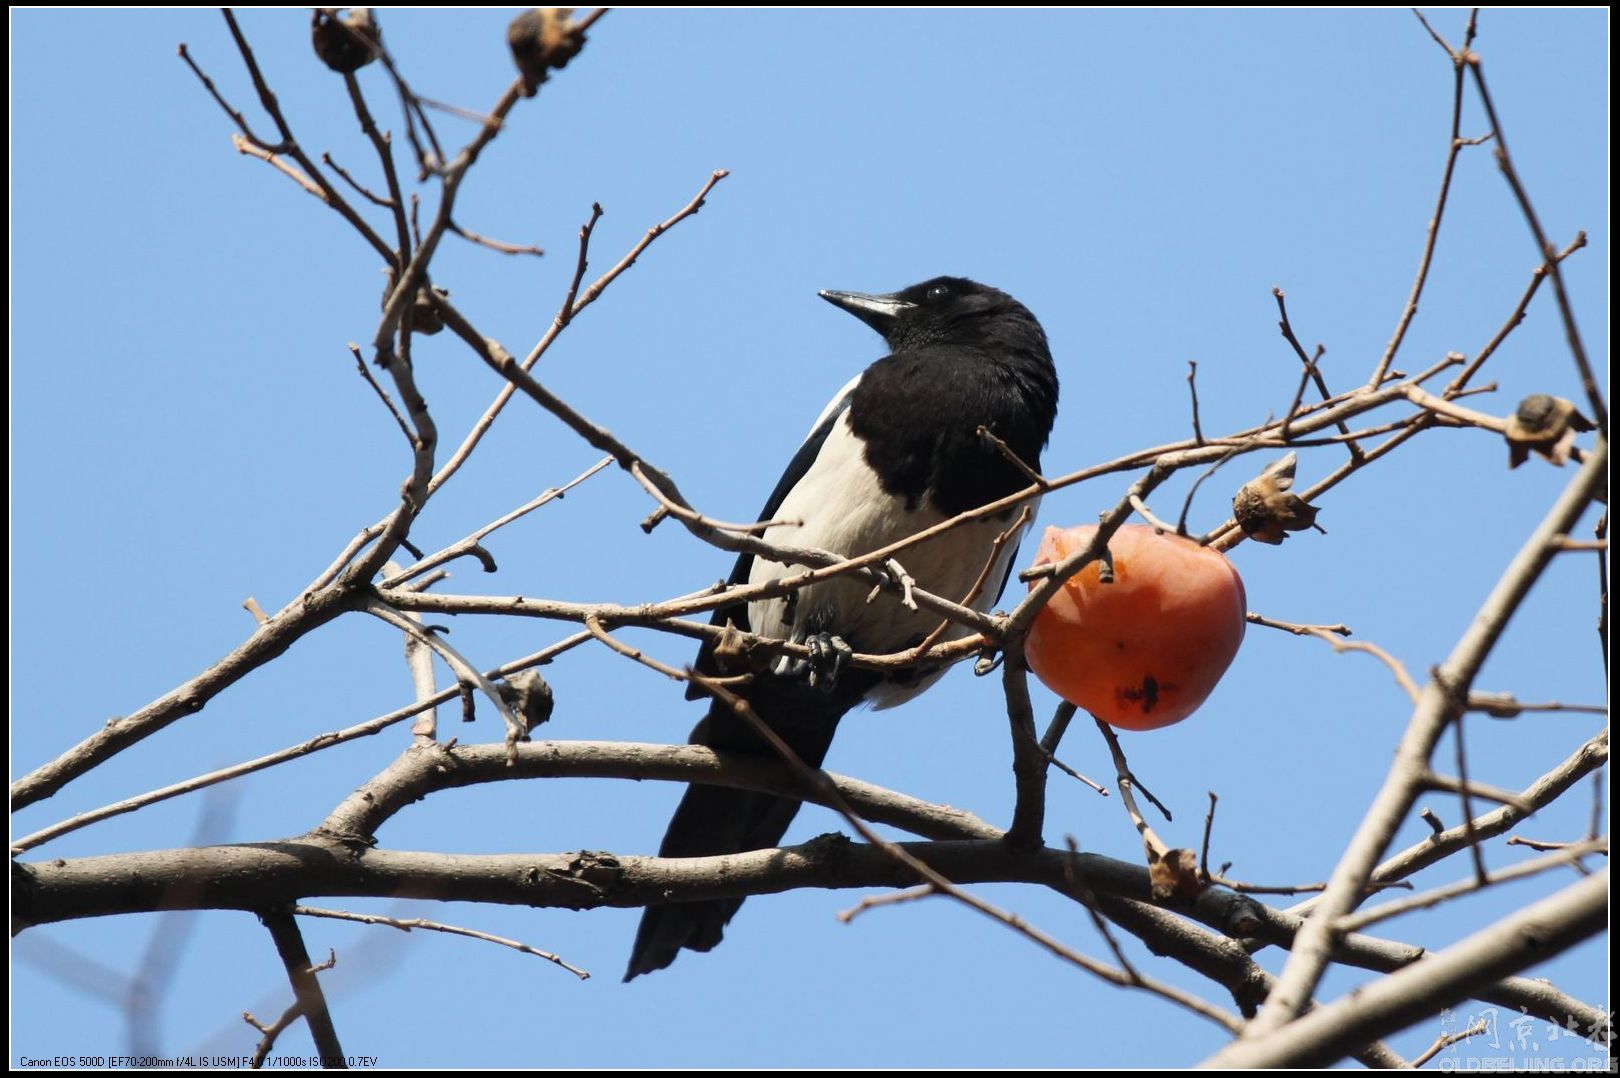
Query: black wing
[796, 469]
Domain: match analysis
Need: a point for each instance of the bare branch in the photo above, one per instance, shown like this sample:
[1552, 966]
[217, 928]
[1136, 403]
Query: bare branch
[1548, 251]
[1311, 373]
[498, 246]
[817, 779]
[1192, 388]
[570, 310]
[306, 986]
[1567, 854]
[1454, 146]
[1436, 708]
[281, 756]
[410, 923]
[1446, 1040]
[1519, 940]
[471, 543]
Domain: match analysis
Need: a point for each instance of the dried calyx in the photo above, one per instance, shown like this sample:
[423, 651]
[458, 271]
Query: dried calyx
[1546, 425]
[346, 39]
[543, 39]
[1267, 509]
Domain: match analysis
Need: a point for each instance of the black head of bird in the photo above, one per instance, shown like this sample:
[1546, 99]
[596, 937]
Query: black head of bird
[945, 310]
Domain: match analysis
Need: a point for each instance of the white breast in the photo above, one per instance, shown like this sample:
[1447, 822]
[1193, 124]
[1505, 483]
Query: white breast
[845, 510]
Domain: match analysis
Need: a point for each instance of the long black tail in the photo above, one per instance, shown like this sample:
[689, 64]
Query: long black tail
[715, 820]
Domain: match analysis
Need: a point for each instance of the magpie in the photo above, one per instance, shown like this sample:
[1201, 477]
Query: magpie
[897, 450]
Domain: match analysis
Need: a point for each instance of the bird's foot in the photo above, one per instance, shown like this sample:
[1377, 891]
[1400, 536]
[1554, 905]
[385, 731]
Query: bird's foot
[828, 657]
[895, 576]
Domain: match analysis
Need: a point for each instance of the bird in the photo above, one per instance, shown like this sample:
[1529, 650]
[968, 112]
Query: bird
[900, 448]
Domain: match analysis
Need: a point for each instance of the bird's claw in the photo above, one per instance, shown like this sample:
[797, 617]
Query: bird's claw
[828, 657]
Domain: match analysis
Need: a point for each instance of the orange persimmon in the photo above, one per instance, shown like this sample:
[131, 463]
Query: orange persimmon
[1146, 650]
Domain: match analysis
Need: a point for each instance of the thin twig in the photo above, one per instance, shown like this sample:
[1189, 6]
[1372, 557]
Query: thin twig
[464, 670]
[1547, 250]
[249, 148]
[409, 923]
[495, 245]
[1203, 848]
[1054, 735]
[1601, 532]
[1073, 774]
[1299, 390]
[1469, 416]
[219, 99]
[1538, 275]
[971, 598]
[1543, 845]
[382, 146]
[1012, 458]
[267, 100]
[893, 898]
[817, 779]
[1296, 628]
[306, 986]
[571, 309]
[359, 188]
[1454, 146]
[1311, 372]
[269, 1033]
[1589, 758]
[1446, 1040]
[1126, 783]
[1596, 823]
[382, 394]
[590, 20]
[1146, 514]
[1565, 854]
[1485, 791]
[1466, 790]
[303, 748]
[1192, 387]
[1396, 667]
[1435, 709]
[1088, 899]
[470, 544]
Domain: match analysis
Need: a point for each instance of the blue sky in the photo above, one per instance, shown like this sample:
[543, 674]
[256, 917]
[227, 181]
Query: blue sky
[188, 430]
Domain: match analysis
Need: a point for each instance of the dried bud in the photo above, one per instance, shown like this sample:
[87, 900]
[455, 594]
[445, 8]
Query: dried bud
[425, 317]
[541, 39]
[1175, 875]
[1545, 424]
[529, 697]
[345, 39]
[1267, 510]
[731, 650]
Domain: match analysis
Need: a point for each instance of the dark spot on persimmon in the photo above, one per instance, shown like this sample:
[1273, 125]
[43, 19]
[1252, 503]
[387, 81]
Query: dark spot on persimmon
[1146, 697]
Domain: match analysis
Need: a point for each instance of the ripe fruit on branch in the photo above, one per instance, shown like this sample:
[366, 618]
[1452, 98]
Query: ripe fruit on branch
[1146, 650]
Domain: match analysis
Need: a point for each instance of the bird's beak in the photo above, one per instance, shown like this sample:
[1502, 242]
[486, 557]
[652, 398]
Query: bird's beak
[879, 312]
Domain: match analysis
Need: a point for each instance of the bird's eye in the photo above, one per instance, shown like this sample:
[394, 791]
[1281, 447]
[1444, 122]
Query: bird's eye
[939, 291]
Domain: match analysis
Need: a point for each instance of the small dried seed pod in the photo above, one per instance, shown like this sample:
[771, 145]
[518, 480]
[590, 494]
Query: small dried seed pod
[1545, 425]
[543, 39]
[345, 39]
[1267, 509]
[529, 696]
[425, 317]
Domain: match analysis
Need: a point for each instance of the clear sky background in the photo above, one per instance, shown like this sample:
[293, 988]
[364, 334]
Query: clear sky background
[188, 430]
